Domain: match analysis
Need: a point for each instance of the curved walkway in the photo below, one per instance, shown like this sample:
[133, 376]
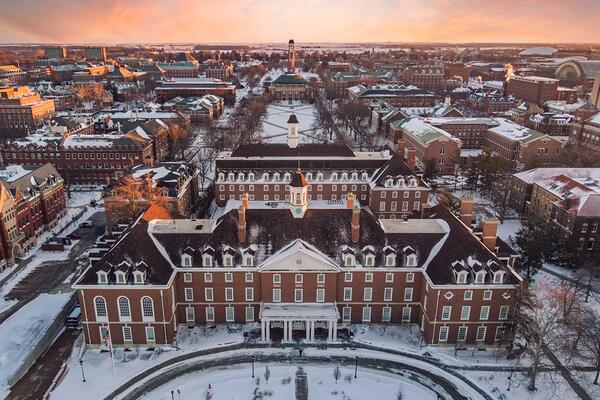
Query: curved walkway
[169, 369]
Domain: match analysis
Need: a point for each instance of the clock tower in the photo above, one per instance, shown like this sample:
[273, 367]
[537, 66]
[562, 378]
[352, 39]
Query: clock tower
[298, 194]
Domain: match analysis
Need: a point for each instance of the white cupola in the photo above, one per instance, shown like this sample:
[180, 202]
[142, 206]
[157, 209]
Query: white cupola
[298, 194]
[293, 135]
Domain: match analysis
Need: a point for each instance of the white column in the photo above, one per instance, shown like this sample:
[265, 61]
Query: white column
[262, 331]
[268, 330]
[291, 328]
[334, 330]
[307, 330]
[286, 330]
[312, 331]
[329, 330]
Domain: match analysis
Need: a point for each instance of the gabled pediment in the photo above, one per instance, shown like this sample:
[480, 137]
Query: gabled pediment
[299, 256]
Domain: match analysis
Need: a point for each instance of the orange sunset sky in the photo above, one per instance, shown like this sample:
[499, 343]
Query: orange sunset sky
[127, 21]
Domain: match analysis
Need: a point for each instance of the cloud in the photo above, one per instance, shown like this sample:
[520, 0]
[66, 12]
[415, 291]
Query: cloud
[138, 21]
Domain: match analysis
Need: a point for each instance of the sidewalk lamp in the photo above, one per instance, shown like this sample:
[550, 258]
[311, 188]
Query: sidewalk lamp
[355, 366]
[253, 367]
[82, 373]
[509, 380]
[172, 395]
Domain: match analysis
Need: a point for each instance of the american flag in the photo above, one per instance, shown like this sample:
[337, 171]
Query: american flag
[106, 341]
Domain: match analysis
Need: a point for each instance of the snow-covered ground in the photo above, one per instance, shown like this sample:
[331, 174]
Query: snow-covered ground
[274, 129]
[20, 332]
[98, 365]
[236, 383]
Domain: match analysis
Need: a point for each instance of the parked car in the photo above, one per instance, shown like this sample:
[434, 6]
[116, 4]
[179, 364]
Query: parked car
[86, 224]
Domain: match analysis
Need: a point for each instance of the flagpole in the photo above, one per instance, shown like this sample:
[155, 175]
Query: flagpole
[110, 347]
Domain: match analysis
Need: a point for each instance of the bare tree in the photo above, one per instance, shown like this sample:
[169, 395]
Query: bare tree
[178, 140]
[591, 340]
[136, 194]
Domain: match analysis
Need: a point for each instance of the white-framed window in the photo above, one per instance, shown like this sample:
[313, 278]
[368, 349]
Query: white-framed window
[408, 294]
[298, 278]
[462, 334]
[228, 277]
[229, 314]
[411, 260]
[104, 332]
[389, 277]
[349, 260]
[208, 294]
[390, 260]
[503, 314]
[347, 294]
[369, 260]
[190, 314]
[100, 308]
[298, 295]
[228, 294]
[468, 295]
[124, 309]
[366, 314]
[368, 294]
[446, 312]
[189, 294]
[186, 260]
[208, 277]
[276, 295]
[348, 277]
[207, 260]
[127, 335]
[249, 314]
[210, 314]
[147, 309]
[465, 313]
[102, 278]
[480, 277]
[443, 336]
[249, 294]
[487, 295]
[346, 314]
[485, 313]
[500, 330]
[320, 278]
[248, 260]
[150, 336]
[406, 311]
[387, 294]
[187, 277]
[249, 277]
[481, 330]
[410, 277]
[276, 278]
[320, 295]
[386, 314]
[369, 277]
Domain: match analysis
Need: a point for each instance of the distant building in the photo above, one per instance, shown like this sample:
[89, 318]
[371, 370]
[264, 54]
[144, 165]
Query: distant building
[290, 86]
[200, 109]
[491, 102]
[585, 129]
[21, 111]
[11, 75]
[551, 123]
[426, 77]
[578, 72]
[179, 182]
[181, 69]
[400, 95]
[217, 70]
[55, 52]
[535, 89]
[95, 53]
[196, 87]
[595, 94]
[341, 81]
[32, 201]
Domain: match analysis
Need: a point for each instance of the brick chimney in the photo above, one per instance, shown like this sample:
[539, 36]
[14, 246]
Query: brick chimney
[400, 146]
[411, 159]
[355, 224]
[466, 211]
[242, 225]
[245, 201]
[490, 233]
[350, 200]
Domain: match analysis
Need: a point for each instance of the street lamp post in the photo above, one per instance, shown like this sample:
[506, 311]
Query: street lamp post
[82, 373]
[172, 395]
[178, 394]
[252, 367]
[355, 366]
[509, 381]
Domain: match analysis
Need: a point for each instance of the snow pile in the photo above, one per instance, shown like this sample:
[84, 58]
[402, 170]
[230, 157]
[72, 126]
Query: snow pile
[21, 332]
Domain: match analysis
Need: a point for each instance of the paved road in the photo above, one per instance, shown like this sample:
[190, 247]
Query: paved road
[38, 379]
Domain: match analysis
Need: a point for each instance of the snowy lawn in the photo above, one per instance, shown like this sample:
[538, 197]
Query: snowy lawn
[20, 332]
[98, 366]
[274, 129]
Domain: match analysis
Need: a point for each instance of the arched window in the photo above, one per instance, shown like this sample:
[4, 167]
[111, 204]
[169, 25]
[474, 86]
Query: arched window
[124, 309]
[147, 309]
[100, 308]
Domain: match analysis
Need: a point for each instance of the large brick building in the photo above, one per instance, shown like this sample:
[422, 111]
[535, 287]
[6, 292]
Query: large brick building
[535, 89]
[426, 77]
[400, 95]
[21, 111]
[321, 267]
[33, 200]
[391, 184]
[584, 130]
[193, 87]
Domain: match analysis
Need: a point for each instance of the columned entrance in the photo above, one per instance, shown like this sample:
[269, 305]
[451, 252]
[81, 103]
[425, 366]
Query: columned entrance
[287, 322]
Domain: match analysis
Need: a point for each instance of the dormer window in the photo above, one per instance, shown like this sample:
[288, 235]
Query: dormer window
[221, 177]
[413, 182]
[186, 260]
[231, 177]
[265, 176]
[354, 176]
[248, 260]
[411, 260]
[308, 176]
[276, 176]
[287, 177]
[228, 260]
[349, 260]
[241, 176]
[401, 182]
[102, 278]
[498, 277]
[320, 176]
[365, 176]
[207, 260]
[369, 260]
[389, 182]
[344, 176]
[334, 176]
[251, 176]
[390, 260]
[461, 277]
[138, 277]
[120, 275]
[480, 277]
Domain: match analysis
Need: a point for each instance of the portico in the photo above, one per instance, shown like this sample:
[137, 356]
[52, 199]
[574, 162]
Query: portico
[310, 320]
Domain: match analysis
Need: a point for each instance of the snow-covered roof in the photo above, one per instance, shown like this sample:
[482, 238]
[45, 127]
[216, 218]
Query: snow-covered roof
[538, 51]
[420, 129]
[514, 131]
